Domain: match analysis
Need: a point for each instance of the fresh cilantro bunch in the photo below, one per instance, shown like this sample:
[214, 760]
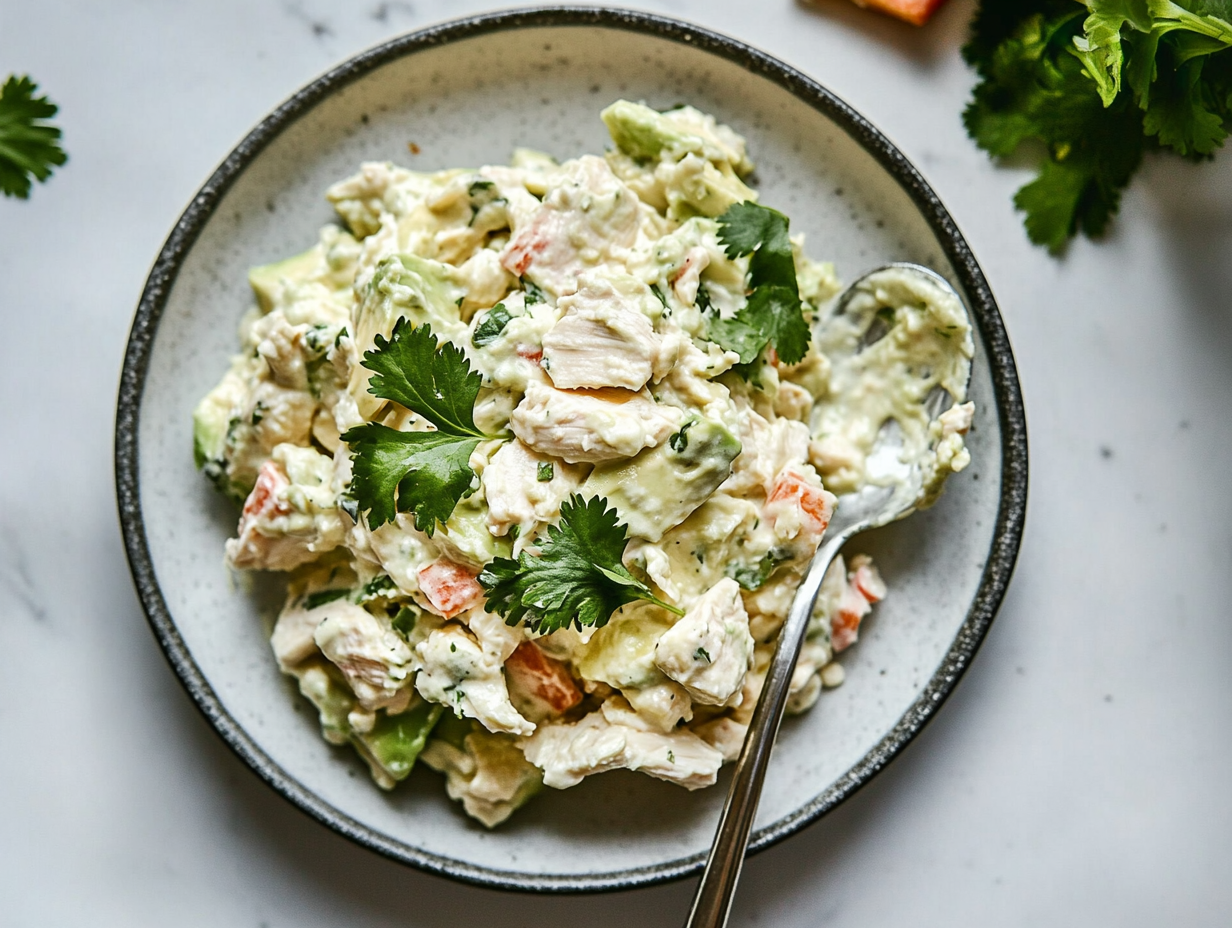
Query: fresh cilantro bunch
[773, 314]
[1098, 82]
[29, 146]
[425, 473]
[577, 576]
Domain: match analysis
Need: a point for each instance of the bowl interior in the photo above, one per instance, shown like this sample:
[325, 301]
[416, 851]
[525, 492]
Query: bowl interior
[469, 102]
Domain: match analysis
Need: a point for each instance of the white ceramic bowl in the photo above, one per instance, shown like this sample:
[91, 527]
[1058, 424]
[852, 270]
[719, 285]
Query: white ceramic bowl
[467, 93]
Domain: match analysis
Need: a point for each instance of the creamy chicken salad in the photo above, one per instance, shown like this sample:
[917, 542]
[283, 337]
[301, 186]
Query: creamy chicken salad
[543, 450]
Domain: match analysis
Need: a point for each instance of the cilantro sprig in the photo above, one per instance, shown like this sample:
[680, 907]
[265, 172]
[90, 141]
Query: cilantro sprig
[425, 473]
[1098, 84]
[773, 313]
[577, 576]
[29, 146]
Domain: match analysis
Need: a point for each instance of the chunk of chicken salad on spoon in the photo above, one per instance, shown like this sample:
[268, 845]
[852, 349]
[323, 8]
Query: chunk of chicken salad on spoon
[545, 450]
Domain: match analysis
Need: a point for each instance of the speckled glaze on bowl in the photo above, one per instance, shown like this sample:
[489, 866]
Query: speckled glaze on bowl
[467, 93]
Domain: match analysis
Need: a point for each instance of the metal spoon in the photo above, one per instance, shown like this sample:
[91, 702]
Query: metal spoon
[894, 490]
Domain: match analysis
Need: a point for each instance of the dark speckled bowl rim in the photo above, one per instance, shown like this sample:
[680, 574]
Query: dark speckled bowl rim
[1010, 516]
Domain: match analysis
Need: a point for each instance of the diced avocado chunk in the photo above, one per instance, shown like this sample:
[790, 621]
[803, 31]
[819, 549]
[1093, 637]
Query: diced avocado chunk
[660, 487]
[210, 422]
[222, 442]
[642, 133]
[395, 741]
[414, 287]
[498, 758]
[333, 701]
[453, 730]
[622, 653]
[404, 286]
[487, 772]
[267, 280]
[531, 785]
[695, 187]
[467, 533]
[705, 185]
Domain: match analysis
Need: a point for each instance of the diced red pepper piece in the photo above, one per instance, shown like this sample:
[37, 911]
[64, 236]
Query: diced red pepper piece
[864, 587]
[547, 680]
[816, 504]
[263, 500]
[868, 583]
[450, 588]
[530, 353]
[845, 623]
[531, 242]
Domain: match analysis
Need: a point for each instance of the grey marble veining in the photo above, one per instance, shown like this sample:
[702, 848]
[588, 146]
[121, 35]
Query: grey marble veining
[15, 576]
[1076, 777]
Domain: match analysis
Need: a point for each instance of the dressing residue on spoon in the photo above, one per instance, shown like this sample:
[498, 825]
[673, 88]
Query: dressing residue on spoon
[900, 348]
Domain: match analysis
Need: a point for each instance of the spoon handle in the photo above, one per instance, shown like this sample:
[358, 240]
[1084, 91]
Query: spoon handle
[712, 904]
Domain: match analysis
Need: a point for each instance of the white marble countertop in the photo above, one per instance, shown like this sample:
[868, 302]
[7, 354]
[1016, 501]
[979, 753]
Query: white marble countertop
[1077, 777]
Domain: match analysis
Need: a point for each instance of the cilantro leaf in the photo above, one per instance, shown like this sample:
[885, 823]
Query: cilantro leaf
[1051, 203]
[424, 472]
[421, 472]
[1138, 30]
[995, 22]
[490, 328]
[745, 226]
[1178, 114]
[1035, 89]
[751, 229]
[739, 334]
[577, 576]
[29, 146]
[773, 313]
[780, 314]
[434, 382]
